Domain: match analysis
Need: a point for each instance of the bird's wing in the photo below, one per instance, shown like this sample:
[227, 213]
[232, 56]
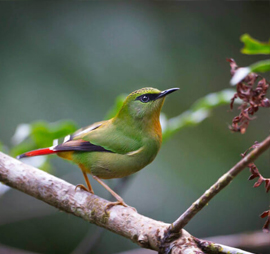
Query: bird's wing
[102, 137]
[72, 142]
[78, 145]
[84, 131]
[118, 138]
[75, 141]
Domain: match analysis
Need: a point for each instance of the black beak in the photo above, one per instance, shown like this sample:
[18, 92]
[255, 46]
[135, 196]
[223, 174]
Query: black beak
[166, 92]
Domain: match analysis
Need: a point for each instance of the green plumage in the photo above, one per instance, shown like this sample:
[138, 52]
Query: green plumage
[120, 146]
[134, 137]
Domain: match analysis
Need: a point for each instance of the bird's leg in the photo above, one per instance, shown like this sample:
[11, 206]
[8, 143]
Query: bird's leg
[81, 186]
[119, 201]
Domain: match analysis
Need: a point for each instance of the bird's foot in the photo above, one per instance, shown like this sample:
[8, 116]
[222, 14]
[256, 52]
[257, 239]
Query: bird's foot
[82, 187]
[111, 204]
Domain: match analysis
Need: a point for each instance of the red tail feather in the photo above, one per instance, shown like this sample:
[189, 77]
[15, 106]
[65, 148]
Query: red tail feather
[42, 151]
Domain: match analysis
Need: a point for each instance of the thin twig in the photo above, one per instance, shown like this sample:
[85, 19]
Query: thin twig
[210, 247]
[10, 250]
[249, 240]
[90, 240]
[218, 186]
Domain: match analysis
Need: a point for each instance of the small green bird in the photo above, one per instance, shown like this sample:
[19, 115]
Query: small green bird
[117, 147]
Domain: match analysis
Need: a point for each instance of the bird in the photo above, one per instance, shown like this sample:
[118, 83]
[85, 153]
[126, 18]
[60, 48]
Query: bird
[117, 147]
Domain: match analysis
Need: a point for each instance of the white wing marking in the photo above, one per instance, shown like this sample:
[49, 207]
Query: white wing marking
[88, 129]
[55, 142]
[67, 138]
[134, 152]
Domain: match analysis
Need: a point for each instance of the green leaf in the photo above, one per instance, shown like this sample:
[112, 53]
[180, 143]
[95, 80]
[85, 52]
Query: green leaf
[43, 133]
[23, 147]
[40, 134]
[262, 66]
[198, 112]
[253, 46]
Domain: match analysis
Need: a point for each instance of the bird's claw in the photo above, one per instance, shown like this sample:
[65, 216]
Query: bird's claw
[82, 187]
[111, 204]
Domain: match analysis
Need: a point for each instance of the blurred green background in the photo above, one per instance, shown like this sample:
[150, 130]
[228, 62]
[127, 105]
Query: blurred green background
[70, 60]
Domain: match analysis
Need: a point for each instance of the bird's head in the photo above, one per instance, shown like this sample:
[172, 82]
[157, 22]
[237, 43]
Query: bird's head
[145, 102]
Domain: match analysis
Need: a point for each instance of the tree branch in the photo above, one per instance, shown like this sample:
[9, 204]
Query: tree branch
[253, 241]
[9, 250]
[92, 239]
[210, 247]
[124, 221]
[249, 240]
[218, 186]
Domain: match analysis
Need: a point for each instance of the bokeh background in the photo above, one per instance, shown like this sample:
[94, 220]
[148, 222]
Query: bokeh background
[70, 60]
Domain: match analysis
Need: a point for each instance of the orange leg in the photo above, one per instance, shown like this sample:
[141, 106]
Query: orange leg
[81, 186]
[119, 201]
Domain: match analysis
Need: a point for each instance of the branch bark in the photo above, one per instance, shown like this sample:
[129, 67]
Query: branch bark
[124, 221]
[249, 240]
[253, 241]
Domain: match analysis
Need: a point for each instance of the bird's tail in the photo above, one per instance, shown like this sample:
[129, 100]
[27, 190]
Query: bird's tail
[42, 151]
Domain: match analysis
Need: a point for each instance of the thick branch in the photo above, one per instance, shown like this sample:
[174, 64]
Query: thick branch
[218, 186]
[124, 221]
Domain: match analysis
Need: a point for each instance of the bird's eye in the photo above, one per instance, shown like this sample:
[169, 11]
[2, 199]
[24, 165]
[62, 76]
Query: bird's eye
[144, 98]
